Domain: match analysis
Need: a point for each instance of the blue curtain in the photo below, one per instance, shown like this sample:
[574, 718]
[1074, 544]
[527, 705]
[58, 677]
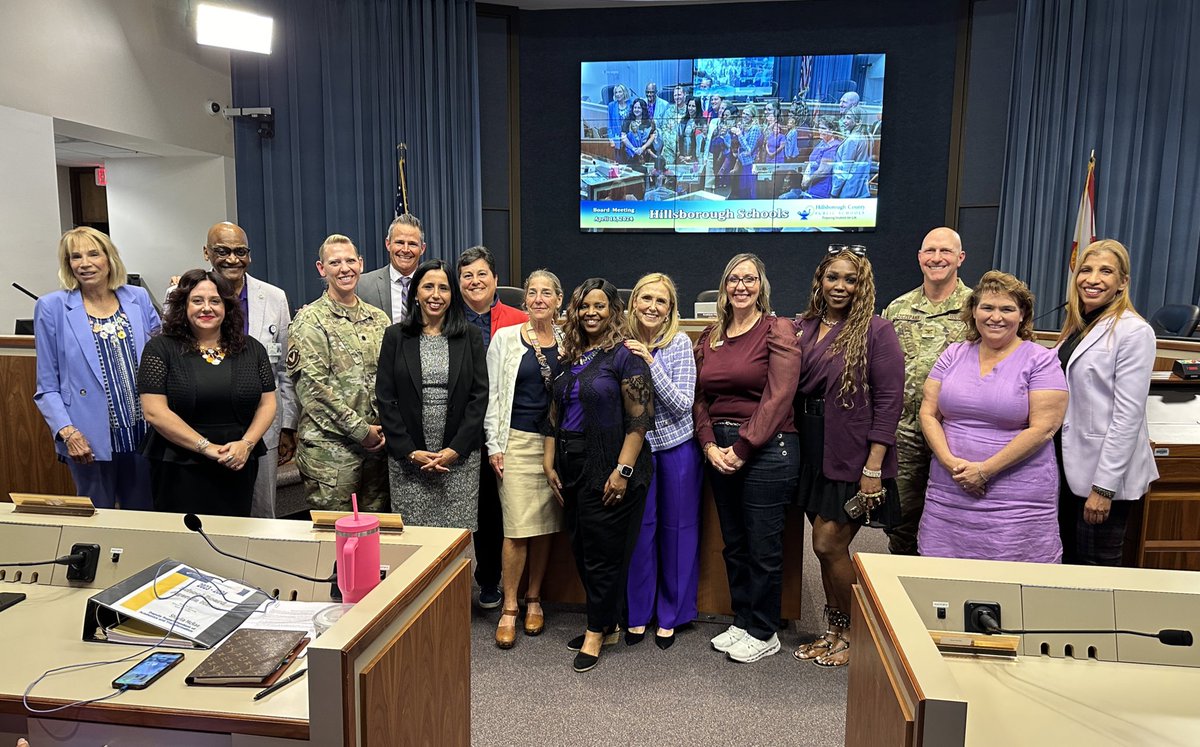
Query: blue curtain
[349, 79]
[1121, 77]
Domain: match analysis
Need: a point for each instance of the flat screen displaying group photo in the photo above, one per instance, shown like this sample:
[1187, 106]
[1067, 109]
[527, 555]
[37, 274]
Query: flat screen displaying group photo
[730, 143]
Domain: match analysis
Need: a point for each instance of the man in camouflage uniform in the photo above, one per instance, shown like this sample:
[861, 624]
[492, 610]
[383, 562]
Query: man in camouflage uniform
[333, 351]
[927, 319]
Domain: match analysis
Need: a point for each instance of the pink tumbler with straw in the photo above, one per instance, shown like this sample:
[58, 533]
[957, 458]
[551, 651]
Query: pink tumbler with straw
[357, 553]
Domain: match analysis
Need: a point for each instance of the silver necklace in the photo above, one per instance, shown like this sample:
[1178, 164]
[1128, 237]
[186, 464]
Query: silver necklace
[827, 323]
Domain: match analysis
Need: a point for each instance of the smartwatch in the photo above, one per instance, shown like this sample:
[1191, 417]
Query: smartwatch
[624, 470]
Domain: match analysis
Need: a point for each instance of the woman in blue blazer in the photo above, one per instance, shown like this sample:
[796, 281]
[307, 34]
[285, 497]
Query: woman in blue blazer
[1107, 353]
[89, 338]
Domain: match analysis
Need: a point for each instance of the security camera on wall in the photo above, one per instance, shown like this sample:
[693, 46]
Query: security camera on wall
[212, 108]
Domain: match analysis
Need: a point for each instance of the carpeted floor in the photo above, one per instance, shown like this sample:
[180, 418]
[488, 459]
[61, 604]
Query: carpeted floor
[639, 695]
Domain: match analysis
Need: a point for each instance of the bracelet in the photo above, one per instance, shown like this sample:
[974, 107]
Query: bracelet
[874, 474]
[982, 475]
[203, 444]
[67, 437]
[1104, 492]
[248, 442]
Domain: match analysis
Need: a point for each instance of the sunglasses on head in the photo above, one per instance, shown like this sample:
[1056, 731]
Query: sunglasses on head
[857, 250]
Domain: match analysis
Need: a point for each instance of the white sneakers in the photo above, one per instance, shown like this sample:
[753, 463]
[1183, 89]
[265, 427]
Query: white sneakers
[724, 641]
[749, 649]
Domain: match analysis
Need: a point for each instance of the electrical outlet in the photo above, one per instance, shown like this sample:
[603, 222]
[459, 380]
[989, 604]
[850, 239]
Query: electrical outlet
[85, 571]
[971, 609]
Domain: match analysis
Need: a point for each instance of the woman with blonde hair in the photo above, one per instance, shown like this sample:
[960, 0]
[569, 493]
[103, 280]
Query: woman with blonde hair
[664, 570]
[747, 365]
[522, 361]
[1107, 353]
[89, 339]
[848, 405]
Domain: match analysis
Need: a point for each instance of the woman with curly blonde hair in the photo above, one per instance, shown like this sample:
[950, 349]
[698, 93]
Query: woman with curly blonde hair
[848, 405]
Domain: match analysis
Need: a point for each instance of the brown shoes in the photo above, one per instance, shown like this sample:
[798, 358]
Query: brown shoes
[535, 623]
[507, 637]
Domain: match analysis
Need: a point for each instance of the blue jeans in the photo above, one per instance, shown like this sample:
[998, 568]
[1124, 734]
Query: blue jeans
[751, 505]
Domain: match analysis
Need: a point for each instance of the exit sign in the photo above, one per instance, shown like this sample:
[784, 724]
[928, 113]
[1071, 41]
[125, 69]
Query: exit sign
[101, 177]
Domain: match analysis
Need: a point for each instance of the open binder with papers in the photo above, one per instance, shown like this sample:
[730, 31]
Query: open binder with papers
[197, 608]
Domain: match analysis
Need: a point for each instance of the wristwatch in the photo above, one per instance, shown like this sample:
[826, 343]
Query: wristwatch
[624, 470]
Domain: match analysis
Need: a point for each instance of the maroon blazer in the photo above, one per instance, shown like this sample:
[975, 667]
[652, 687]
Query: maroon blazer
[849, 432]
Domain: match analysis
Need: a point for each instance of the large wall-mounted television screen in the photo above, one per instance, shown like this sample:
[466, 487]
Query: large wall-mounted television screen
[731, 143]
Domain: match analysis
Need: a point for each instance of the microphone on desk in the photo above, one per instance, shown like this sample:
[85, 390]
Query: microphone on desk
[1168, 636]
[192, 522]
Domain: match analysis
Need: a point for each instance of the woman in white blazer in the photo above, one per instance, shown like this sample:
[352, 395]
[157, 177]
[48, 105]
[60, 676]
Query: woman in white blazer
[1107, 353]
[522, 361]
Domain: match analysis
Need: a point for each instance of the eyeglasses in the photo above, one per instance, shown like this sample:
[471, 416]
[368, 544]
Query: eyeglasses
[734, 280]
[241, 252]
[857, 250]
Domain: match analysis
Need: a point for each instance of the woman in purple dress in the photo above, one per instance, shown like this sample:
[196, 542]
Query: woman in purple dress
[596, 456]
[991, 407]
[848, 404]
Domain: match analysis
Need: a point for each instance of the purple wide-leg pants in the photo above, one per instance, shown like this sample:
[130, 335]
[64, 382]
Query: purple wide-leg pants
[665, 568]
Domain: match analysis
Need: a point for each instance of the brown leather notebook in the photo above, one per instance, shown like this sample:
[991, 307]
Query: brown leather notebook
[250, 658]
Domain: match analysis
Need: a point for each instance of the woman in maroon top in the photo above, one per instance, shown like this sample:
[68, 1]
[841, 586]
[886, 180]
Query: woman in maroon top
[847, 408]
[747, 365]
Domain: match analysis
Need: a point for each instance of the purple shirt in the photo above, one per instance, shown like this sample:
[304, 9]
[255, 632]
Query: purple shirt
[244, 300]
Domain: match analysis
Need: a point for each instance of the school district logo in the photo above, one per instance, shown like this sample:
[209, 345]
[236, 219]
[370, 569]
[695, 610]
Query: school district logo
[804, 214]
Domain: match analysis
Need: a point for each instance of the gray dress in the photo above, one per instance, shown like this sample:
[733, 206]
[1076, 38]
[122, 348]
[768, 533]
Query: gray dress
[436, 499]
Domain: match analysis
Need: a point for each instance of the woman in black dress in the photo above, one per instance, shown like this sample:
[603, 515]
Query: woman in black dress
[208, 390]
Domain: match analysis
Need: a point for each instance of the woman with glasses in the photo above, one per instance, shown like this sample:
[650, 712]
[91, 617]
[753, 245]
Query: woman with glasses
[747, 365]
[596, 458]
[664, 571]
[848, 405]
[522, 361]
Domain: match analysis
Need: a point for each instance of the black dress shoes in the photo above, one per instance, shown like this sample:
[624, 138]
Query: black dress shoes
[663, 641]
[576, 643]
[584, 662]
[633, 639]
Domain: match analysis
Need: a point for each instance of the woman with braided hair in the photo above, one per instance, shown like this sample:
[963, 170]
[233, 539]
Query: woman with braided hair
[848, 405]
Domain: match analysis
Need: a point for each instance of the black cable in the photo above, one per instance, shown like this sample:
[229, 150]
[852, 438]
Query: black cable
[64, 560]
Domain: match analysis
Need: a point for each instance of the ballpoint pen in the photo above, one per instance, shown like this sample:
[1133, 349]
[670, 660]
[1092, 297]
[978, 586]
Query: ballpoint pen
[279, 684]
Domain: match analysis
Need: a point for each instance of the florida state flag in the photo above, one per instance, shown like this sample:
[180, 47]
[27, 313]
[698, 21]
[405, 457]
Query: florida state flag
[1085, 221]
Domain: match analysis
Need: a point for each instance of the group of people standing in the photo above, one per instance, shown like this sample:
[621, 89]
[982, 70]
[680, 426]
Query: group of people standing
[415, 387]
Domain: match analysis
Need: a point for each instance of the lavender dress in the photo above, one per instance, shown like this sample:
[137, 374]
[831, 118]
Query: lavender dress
[1017, 518]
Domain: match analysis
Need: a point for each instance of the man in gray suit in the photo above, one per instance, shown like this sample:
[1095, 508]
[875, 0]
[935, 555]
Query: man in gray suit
[388, 287]
[266, 318]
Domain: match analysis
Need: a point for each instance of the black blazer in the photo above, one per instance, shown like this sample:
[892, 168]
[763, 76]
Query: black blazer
[398, 389]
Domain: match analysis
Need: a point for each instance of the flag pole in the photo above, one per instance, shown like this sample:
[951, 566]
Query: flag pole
[401, 180]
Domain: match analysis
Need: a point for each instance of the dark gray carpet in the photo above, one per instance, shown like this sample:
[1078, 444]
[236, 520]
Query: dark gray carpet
[639, 695]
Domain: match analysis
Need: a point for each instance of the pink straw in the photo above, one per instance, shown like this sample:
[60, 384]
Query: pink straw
[354, 503]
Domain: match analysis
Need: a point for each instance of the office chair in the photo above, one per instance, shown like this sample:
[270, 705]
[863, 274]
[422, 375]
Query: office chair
[510, 296]
[625, 294]
[1175, 320]
[707, 296]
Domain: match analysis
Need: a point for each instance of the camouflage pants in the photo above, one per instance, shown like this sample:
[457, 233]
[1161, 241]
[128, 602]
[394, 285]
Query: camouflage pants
[332, 471]
[911, 481]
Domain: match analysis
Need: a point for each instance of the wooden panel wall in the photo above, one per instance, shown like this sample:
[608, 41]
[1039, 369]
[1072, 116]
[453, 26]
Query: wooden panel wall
[415, 692]
[876, 714]
[28, 463]
[1170, 532]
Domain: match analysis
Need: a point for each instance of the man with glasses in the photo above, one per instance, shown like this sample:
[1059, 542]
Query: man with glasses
[265, 317]
[927, 321]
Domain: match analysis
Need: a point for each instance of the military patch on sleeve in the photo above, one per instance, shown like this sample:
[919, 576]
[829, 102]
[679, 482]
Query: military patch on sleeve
[293, 359]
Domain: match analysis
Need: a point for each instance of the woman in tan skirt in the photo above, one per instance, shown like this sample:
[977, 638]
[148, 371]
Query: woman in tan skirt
[522, 362]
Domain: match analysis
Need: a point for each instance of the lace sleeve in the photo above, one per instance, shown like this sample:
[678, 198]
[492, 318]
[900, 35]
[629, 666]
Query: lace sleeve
[637, 393]
[152, 369]
[266, 374]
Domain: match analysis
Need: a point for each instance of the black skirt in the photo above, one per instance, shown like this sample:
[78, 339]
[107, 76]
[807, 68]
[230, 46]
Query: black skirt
[817, 495]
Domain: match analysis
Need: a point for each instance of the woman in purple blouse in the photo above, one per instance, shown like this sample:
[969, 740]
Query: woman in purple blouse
[596, 457]
[848, 405]
[747, 365]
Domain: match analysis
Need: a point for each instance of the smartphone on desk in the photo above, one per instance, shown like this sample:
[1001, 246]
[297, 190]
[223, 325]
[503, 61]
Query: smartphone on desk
[147, 671]
[9, 598]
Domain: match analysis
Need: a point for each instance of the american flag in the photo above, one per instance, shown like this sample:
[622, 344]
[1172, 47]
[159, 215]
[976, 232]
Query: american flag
[806, 69]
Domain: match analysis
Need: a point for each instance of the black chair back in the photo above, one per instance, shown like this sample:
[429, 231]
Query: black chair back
[1176, 320]
[708, 296]
[510, 296]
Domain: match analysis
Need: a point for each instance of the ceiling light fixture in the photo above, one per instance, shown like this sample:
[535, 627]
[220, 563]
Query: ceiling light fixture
[221, 26]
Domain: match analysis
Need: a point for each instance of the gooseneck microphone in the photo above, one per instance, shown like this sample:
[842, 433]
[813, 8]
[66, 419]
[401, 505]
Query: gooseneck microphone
[1168, 636]
[192, 522]
[26, 291]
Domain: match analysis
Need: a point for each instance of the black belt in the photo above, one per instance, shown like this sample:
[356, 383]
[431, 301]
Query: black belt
[814, 406]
